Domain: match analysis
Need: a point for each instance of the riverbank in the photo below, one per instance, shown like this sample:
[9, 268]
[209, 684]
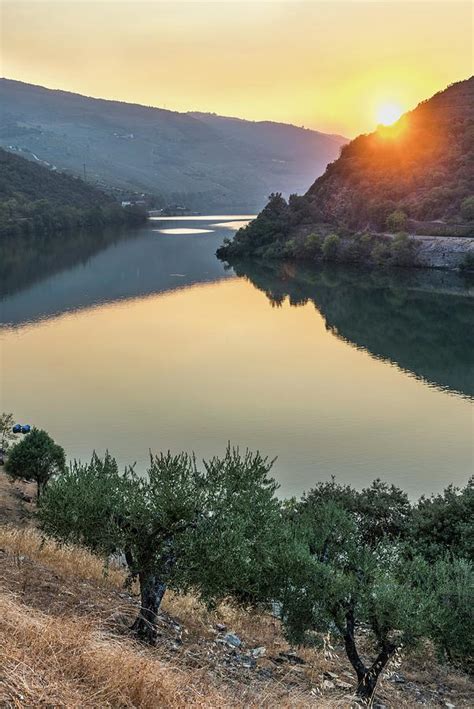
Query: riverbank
[65, 641]
[448, 252]
[320, 243]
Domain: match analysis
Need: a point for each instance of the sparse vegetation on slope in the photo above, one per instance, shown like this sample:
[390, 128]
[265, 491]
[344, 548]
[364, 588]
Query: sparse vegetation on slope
[37, 201]
[65, 641]
[414, 176]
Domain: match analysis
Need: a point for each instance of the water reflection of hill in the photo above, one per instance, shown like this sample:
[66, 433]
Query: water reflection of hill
[42, 280]
[421, 321]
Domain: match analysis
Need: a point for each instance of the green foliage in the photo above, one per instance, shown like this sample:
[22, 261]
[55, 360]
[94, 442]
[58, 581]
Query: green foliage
[108, 511]
[313, 245]
[359, 248]
[402, 251]
[330, 247]
[451, 583]
[467, 208]
[352, 562]
[36, 457]
[174, 526]
[305, 247]
[79, 505]
[6, 434]
[336, 582]
[268, 230]
[39, 201]
[397, 251]
[381, 253]
[397, 221]
[444, 523]
[381, 511]
[141, 518]
[233, 550]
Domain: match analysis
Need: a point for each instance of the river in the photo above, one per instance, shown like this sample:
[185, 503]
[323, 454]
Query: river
[144, 340]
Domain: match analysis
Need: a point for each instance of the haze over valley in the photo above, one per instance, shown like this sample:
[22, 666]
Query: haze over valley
[204, 161]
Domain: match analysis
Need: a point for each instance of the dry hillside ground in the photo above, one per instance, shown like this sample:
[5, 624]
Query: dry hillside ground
[65, 642]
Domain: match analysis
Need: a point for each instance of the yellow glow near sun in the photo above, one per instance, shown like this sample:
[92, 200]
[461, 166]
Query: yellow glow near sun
[388, 113]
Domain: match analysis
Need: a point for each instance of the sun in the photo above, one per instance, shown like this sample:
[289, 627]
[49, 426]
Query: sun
[388, 113]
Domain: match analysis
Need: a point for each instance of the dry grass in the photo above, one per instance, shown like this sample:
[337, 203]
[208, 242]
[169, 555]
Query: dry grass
[68, 662]
[66, 560]
[61, 642]
[70, 561]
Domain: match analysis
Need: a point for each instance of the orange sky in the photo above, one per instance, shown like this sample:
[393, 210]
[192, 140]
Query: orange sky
[327, 65]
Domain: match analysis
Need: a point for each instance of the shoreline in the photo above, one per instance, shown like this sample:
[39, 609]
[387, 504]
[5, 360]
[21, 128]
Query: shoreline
[443, 252]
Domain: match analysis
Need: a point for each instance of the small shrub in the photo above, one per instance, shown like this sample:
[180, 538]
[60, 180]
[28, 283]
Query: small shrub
[313, 245]
[380, 254]
[396, 221]
[36, 457]
[467, 208]
[402, 250]
[330, 248]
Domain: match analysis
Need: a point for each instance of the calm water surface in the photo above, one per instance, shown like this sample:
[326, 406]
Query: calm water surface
[144, 340]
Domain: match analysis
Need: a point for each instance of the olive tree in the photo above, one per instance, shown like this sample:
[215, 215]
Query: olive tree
[338, 582]
[163, 522]
[382, 511]
[234, 551]
[443, 523]
[37, 458]
[140, 518]
[451, 582]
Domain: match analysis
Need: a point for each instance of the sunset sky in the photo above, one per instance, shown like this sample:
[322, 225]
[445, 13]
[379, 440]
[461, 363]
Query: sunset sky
[330, 65]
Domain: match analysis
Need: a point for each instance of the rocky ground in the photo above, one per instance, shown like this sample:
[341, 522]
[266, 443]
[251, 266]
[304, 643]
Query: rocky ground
[443, 251]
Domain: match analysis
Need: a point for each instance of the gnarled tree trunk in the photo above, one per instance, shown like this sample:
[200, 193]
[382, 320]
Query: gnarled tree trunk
[368, 683]
[40, 488]
[367, 677]
[152, 591]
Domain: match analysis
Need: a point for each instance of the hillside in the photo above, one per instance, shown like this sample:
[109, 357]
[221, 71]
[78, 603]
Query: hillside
[65, 641]
[22, 179]
[203, 160]
[37, 199]
[413, 176]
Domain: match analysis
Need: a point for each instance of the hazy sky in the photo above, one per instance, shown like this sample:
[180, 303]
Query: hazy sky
[324, 64]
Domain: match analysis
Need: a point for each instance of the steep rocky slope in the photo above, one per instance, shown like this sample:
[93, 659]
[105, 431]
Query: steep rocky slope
[414, 176]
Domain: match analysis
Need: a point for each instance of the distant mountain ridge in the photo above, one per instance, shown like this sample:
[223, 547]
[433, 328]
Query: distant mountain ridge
[204, 160]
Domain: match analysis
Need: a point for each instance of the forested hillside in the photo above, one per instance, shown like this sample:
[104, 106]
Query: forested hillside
[200, 160]
[414, 176]
[37, 200]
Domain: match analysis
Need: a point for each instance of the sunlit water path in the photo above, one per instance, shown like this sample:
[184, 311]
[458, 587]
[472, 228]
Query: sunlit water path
[150, 342]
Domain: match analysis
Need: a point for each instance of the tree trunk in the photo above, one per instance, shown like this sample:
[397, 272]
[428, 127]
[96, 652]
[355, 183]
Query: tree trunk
[152, 591]
[367, 678]
[39, 489]
[350, 645]
[368, 683]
